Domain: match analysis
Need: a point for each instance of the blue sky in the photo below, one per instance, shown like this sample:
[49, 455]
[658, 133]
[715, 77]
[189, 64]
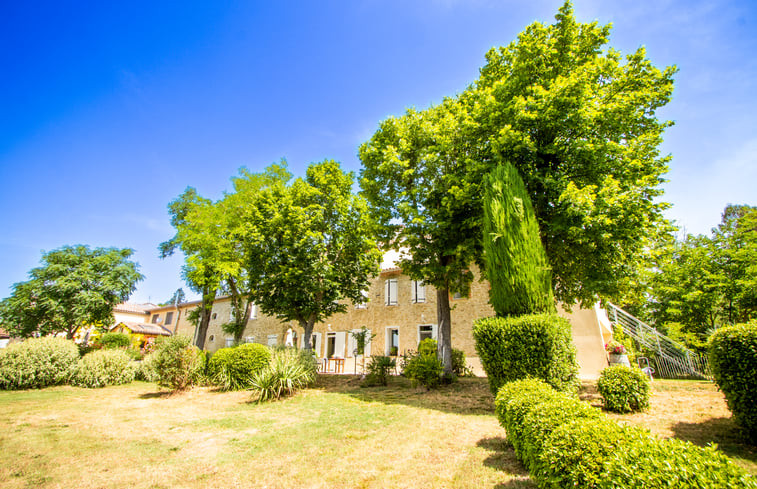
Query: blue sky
[108, 110]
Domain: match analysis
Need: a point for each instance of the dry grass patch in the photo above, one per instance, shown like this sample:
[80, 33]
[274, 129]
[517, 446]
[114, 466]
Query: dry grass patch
[336, 434]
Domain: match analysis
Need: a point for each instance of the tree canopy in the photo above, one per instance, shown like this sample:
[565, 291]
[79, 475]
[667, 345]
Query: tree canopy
[309, 247]
[579, 124]
[75, 287]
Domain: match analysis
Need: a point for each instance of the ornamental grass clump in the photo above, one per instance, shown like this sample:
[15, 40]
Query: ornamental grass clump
[623, 389]
[37, 362]
[233, 368]
[104, 367]
[733, 358]
[290, 370]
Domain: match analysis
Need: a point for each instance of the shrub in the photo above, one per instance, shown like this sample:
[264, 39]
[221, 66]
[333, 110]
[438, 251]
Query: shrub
[289, 370]
[424, 369]
[459, 367]
[115, 340]
[513, 402]
[178, 364]
[733, 359]
[146, 369]
[37, 363]
[647, 462]
[378, 371]
[104, 367]
[538, 346]
[575, 453]
[233, 368]
[624, 389]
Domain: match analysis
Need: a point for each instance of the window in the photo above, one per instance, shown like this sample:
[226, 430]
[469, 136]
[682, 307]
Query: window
[272, 339]
[229, 342]
[457, 295]
[253, 311]
[330, 344]
[364, 303]
[426, 331]
[392, 342]
[169, 318]
[417, 292]
[249, 339]
[215, 315]
[212, 337]
[155, 319]
[390, 292]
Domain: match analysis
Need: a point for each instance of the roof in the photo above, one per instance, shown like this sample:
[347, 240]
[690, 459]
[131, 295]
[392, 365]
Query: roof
[134, 308]
[390, 258]
[4, 334]
[142, 328]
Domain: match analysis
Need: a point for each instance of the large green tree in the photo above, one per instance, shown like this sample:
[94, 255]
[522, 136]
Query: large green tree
[75, 287]
[577, 121]
[309, 247]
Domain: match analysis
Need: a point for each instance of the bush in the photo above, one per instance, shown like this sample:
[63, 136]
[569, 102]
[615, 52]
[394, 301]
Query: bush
[104, 367]
[537, 346]
[513, 402]
[459, 367]
[624, 389]
[424, 369]
[37, 363]
[115, 340]
[378, 371]
[733, 359]
[289, 370]
[178, 364]
[233, 368]
[647, 463]
[146, 369]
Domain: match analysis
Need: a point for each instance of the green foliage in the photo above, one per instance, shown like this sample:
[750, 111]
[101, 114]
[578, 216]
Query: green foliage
[623, 389]
[424, 369]
[290, 370]
[647, 462]
[733, 359]
[115, 340]
[178, 364]
[74, 287]
[427, 347]
[234, 368]
[538, 346]
[104, 367]
[459, 366]
[146, 369]
[37, 363]
[516, 265]
[378, 370]
[621, 337]
[362, 337]
[566, 443]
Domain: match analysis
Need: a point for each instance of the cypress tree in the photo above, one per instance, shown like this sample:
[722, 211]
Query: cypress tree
[516, 264]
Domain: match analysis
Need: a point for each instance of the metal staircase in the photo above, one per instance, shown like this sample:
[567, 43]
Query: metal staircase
[670, 359]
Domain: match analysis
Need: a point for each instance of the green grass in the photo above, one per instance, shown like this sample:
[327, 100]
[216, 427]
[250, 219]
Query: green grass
[334, 435]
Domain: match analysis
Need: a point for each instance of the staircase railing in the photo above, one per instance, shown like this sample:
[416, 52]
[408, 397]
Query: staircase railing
[671, 359]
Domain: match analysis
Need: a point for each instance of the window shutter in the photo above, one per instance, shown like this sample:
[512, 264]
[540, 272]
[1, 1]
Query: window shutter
[393, 292]
[253, 311]
[386, 292]
[420, 292]
[341, 338]
[434, 332]
[368, 345]
[413, 291]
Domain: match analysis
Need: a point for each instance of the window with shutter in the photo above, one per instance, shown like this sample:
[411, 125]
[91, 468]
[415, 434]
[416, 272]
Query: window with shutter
[417, 292]
[391, 292]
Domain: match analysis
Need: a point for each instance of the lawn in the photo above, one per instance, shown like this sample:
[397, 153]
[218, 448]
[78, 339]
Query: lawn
[335, 435]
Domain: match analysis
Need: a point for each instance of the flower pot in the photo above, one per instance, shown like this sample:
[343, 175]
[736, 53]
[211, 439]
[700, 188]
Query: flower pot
[619, 360]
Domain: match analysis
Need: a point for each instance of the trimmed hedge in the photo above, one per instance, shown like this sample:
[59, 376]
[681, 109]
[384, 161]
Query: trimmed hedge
[37, 363]
[566, 443]
[233, 368]
[115, 340]
[733, 359]
[177, 362]
[532, 346]
[624, 389]
[104, 367]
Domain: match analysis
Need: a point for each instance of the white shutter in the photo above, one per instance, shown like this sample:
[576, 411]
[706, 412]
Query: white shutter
[341, 338]
[315, 340]
[420, 292]
[434, 333]
[391, 292]
[413, 287]
[351, 344]
[253, 311]
[368, 344]
[386, 292]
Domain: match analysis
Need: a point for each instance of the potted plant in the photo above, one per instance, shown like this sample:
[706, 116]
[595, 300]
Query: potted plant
[618, 354]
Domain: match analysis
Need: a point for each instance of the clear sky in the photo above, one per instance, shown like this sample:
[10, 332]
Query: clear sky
[109, 110]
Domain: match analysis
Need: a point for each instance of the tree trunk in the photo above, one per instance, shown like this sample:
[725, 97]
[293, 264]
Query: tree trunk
[207, 307]
[307, 326]
[444, 320]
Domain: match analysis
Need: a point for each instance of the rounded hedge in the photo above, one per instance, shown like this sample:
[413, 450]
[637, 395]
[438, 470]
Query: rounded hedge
[515, 400]
[104, 367]
[733, 359]
[233, 368]
[37, 363]
[177, 362]
[623, 389]
[537, 346]
[115, 340]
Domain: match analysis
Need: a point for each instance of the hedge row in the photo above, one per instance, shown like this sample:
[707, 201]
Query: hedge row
[564, 442]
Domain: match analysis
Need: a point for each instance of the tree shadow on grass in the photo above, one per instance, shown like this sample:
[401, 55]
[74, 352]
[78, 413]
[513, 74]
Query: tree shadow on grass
[156, 395]
[469, 395]
[722, 431]
[502, 458]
